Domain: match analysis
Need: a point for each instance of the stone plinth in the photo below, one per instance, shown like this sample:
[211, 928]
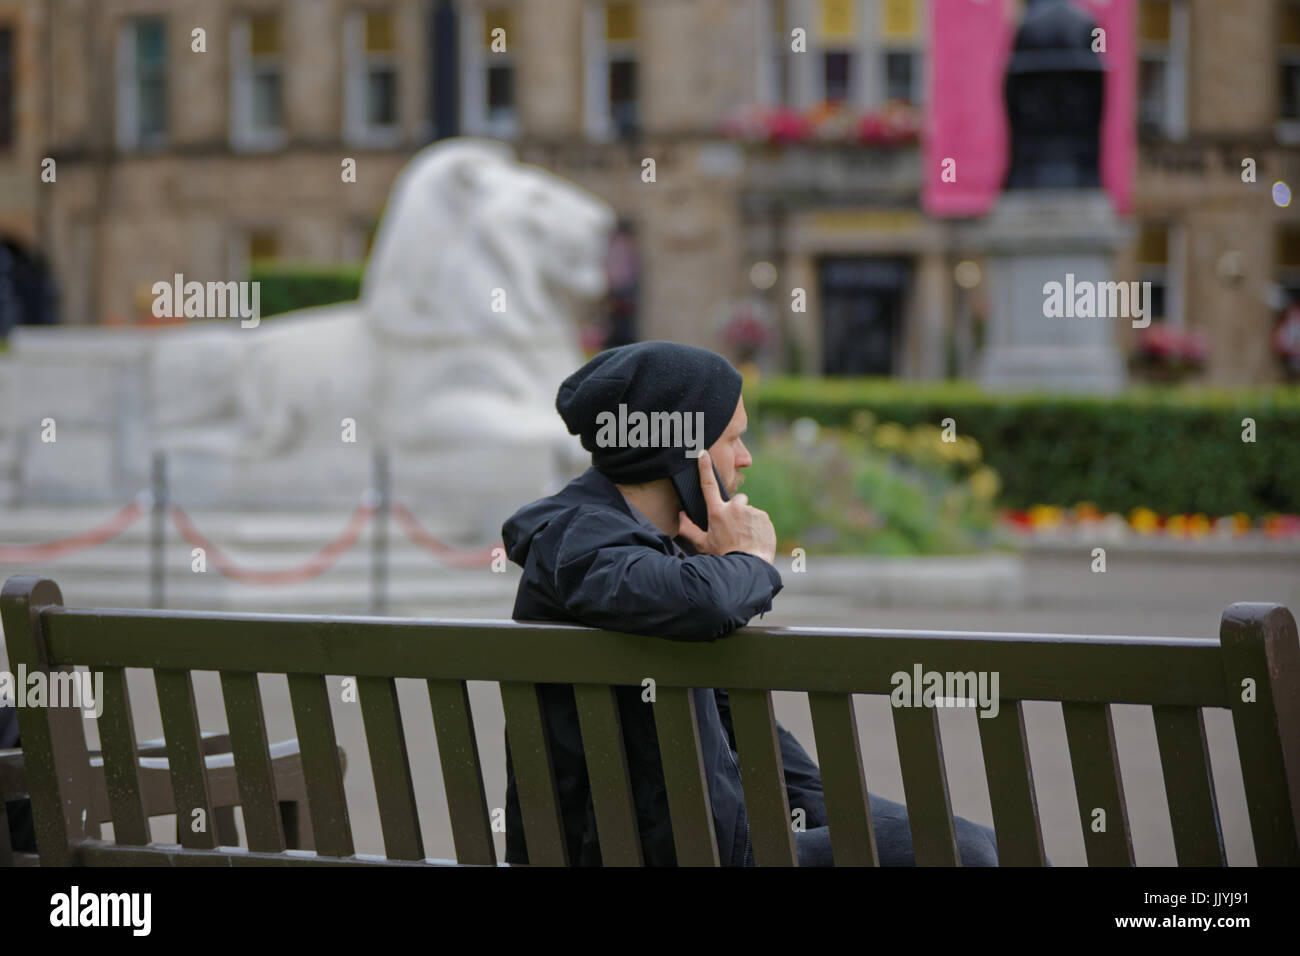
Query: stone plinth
[1033, 238]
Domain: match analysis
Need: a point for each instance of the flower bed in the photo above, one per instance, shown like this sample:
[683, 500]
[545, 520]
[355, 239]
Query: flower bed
[1144, 522]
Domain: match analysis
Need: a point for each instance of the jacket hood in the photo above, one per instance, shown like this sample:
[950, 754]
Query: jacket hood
[589, 488]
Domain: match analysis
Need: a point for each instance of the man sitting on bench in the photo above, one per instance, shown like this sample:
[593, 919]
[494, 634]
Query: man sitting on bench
[645, 542]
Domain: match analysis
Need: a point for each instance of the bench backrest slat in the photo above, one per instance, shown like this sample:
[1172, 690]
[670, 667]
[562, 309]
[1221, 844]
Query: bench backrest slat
[1260, 646]
[683, 763]
[1189, 786]
[395, 790]
[253, 770]
[1090, 736]
[839, 756]
[925, 786]
[462, 775]
[314, 724]
[1011, 786]
[607, 774]
[530, 752]
[763, 777]
[121, 766]
[180, 721]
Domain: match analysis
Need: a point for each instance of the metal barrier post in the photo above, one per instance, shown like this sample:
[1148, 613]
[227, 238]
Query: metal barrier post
[382, 491]
[157, 556]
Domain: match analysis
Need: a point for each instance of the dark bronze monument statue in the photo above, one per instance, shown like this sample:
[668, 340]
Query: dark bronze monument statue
[1054, 96]
[1053, 227]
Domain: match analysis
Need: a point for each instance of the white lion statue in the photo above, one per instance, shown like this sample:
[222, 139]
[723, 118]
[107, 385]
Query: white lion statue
[467, 323]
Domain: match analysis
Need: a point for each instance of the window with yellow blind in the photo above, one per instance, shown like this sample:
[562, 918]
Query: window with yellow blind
[901, 44]
[621, 35]
[1288, 250]
[611, 41]
[489, 42]
[263, 246]
[837, 35]
[370, 39]
[1152, 256]
[257, 100]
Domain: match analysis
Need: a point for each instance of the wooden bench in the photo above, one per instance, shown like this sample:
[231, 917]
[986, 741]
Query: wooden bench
[1176, 677]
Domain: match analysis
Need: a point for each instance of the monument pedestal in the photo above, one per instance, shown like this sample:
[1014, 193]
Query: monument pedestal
[1031, 238]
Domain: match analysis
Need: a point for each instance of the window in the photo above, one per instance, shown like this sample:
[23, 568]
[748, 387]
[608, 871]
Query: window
[620, 48]
[838, 33]
[612, 80]
[263, 245]
[257, 96]
[142, 83]
[488, 84]
[1162, 69]
[6, 88]
[1159, 261]
[900, 76]
[900, 53]
[1288, 262]
[249, 245]
[370, 58]
[1289, 61]
[836, 65]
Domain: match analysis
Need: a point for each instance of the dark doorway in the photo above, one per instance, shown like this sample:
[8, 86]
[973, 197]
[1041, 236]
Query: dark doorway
[27, 293]
[862, 312]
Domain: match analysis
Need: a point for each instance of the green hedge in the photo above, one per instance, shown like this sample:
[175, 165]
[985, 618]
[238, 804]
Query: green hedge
[287, 287]
[1169, 449]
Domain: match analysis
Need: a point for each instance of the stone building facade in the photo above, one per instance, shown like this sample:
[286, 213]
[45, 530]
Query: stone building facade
[197, 153]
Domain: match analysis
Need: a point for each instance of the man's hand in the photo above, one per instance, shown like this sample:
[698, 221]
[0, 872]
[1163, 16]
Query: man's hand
[733, 525]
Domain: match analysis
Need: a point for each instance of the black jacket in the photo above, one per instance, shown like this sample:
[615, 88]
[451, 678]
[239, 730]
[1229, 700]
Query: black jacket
[588, 560]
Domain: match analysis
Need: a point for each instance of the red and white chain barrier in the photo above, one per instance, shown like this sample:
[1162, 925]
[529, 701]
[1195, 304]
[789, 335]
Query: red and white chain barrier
[321, 562]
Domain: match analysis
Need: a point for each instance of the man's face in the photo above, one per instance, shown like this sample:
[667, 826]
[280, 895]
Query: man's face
[729, 453]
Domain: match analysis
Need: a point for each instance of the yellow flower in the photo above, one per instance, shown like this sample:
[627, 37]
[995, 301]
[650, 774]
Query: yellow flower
[985, 483]
[1045, 516]
[966, 450]
[1143, 520]
[1198, 525]
[890, 436]
[1176, 526]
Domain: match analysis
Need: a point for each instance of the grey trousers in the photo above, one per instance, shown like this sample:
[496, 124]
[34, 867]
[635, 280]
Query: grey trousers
[976, 844]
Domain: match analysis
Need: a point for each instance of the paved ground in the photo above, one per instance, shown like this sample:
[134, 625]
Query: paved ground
[1151, 595]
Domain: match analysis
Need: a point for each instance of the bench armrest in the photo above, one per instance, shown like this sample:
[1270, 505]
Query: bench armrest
[212, 742]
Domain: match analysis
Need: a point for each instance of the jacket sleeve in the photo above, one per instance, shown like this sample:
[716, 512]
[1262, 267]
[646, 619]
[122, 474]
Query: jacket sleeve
[613, 576]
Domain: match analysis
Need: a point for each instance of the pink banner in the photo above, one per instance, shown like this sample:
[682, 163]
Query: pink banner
[970, 42]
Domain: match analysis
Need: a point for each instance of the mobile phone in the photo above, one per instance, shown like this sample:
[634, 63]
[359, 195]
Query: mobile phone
[691, 492]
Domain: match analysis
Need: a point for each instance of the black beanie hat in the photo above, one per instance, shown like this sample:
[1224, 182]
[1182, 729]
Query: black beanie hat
[648, 377]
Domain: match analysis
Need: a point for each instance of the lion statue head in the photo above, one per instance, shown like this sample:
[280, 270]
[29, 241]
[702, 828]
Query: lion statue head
[480, 273]
[474, 245]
